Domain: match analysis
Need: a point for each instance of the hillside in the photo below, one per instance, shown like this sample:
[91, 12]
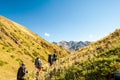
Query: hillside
[104, 66]
[72, 45]
[18, 44]
[98, 61]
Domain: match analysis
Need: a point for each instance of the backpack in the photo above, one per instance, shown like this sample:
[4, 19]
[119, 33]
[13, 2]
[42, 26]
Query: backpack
[38, 62]
[54, 57]
[21, 72]
[50, 58]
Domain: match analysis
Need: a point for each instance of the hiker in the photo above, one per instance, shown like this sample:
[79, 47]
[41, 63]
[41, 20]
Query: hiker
[54, 57]
[50, 59]
[22, 72]
[38, 64]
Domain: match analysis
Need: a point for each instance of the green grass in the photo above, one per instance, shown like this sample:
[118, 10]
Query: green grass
[12, 56]
[19, 61]
[35, 54]
[100, 67]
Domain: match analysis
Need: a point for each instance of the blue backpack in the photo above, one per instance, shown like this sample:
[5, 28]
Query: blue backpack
[38, 62]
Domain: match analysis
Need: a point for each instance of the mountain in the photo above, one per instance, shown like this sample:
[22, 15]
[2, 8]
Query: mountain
[98, 61]
[18, 44]
[72, 45]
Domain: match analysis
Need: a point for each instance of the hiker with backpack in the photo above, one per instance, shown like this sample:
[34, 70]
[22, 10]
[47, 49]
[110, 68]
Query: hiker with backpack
[50, 59]
[38, 64]
[54, 62]
[54, 59]
[22, 72]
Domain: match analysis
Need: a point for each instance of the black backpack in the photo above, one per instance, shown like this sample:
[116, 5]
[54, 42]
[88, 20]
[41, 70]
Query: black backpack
[50, 58]
[54, 57]
[21, 72]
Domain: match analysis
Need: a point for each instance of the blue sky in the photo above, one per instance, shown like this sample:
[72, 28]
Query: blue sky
[56, 20]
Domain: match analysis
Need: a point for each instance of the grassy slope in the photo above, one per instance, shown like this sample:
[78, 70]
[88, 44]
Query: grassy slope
[98, 61]
[100, 67]
[18, 44]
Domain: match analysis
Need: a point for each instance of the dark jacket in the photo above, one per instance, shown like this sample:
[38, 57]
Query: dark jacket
[50, 59]
[54, 57]
[21, 72]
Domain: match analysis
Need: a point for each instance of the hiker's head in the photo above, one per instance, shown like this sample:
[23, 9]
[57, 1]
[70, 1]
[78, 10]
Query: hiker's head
[38, 58]
[23, 64]
[53, 54]
[50, 55]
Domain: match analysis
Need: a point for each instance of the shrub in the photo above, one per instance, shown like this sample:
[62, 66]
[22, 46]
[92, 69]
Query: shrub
[12, 56]
[2, 63]
[35, 54]
[19, 60]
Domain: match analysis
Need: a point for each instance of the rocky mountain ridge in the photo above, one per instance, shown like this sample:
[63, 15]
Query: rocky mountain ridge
[72, 45]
